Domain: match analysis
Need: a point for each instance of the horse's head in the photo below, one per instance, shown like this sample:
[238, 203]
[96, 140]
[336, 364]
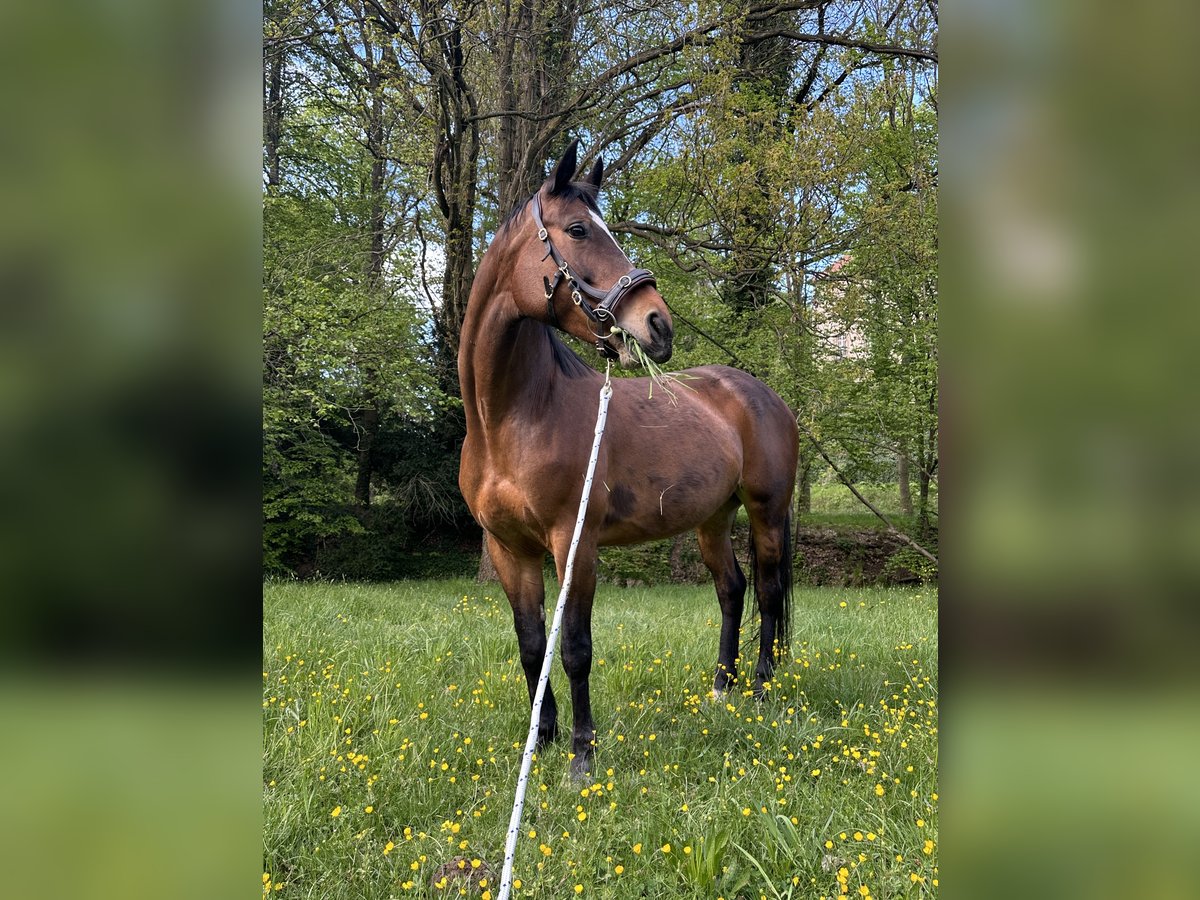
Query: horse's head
[574, 275]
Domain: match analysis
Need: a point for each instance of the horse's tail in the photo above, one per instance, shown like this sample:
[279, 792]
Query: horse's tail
[784, 631]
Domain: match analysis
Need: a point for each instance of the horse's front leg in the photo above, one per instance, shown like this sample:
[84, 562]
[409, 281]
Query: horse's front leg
[521, 577]
[577, 648]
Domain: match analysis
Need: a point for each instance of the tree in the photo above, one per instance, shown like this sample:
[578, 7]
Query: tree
[893, 281]
[341, 336]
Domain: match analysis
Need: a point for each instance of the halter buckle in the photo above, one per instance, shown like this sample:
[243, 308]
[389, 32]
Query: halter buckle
[577, 297]
[542, 235]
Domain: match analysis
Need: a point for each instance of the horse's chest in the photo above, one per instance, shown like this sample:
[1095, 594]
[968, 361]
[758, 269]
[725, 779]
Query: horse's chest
[505, 507]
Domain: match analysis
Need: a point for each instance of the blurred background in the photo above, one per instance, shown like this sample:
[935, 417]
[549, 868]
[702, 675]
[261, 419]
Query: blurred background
[1070, 426]
[131, 191]
[129, 442]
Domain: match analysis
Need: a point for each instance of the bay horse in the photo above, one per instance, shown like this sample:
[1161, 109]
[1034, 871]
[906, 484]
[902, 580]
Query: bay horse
[671, 461]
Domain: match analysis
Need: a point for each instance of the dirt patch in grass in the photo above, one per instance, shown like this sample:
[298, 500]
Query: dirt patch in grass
[850, 557]
[834, 555]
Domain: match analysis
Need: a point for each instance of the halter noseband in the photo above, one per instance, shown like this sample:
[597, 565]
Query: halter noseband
[605, 301]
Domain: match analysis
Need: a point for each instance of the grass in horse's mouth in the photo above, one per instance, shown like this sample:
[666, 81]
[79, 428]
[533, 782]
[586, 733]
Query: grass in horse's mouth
[630, 349]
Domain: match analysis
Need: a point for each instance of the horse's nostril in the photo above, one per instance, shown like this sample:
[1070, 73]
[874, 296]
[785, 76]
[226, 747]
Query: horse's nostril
[657, 325]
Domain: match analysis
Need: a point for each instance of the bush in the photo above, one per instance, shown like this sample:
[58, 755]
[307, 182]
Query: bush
[388, 550]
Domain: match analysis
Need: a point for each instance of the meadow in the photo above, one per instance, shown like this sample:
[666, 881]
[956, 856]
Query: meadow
[394, 717]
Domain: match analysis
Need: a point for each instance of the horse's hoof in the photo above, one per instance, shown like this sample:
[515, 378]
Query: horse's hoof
[581, 770]
[717, 698]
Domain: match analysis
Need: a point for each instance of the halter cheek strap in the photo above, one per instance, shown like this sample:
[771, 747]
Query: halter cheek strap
[605, 301]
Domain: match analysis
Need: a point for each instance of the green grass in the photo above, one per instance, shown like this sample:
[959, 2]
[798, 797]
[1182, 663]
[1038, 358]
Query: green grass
[832, 501]
[409, 699]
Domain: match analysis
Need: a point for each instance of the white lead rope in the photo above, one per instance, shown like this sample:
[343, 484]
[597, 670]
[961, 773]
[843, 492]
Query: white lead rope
[514, 823]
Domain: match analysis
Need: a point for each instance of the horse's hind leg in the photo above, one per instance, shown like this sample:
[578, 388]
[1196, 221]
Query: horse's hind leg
[521, 577]
[771, 557]
[716, 549]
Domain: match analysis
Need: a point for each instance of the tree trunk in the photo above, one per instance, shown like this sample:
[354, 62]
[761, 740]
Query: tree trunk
[455, 176]
[762, 70]
[375, 146]
[487, 569]
[928, 461]
[533, 49]
[375, 267]
[273, 115]
[679, 571]
[804, 485]
[535, 62]
[366, 457]
[923, 501]
[902, 476]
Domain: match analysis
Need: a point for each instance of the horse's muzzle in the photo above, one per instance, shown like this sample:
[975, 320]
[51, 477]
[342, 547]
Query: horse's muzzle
[659, 351]
[662, 337]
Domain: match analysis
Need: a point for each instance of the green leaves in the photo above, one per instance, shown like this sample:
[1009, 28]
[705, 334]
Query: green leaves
[704, 869]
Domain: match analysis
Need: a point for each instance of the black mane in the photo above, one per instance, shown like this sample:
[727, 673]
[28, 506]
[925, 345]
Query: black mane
[569, 362]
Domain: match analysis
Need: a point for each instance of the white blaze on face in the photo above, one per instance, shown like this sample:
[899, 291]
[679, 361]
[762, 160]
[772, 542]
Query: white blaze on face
[600, 222]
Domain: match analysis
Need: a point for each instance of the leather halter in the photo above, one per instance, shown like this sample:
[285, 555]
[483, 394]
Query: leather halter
[605, 301]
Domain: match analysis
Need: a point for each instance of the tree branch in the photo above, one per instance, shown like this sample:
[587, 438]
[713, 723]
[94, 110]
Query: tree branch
[646, 230]
[385, 20]
[840, 41]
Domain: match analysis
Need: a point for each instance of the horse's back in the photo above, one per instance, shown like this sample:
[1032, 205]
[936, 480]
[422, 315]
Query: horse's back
[767, 427]
[743, 392]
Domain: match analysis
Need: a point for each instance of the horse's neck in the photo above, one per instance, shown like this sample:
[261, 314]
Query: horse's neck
[507, 366]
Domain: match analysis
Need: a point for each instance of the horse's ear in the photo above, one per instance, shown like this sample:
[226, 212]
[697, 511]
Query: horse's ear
[565, 170]
[597, 174]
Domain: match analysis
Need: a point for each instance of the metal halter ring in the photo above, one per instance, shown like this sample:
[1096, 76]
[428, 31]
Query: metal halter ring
[577, 297]
[541, 234]
[625, 281]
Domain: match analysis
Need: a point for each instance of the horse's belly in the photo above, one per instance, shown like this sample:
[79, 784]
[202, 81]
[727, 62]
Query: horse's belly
[648, 509]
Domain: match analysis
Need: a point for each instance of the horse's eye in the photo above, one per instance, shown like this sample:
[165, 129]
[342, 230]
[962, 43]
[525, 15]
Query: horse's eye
[577, 231]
